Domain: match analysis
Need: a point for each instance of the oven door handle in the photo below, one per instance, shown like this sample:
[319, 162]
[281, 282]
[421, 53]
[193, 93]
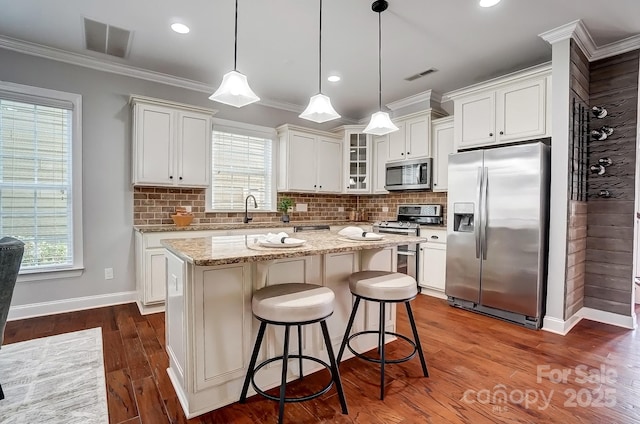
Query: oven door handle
[394, 231]
[409, 253]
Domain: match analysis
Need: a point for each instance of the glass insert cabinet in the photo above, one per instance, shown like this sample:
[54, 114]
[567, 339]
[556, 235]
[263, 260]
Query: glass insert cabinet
[358, 178]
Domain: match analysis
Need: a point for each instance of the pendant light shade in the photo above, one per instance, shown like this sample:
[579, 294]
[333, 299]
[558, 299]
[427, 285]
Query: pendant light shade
[380, 123]
[234, 90]
[319, 109]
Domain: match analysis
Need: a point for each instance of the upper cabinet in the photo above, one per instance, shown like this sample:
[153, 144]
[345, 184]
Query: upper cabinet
[381, 156]
[504, 110]
[442, 147]
[411, 141]
[309, 160]
[171, 143]
[357, 161]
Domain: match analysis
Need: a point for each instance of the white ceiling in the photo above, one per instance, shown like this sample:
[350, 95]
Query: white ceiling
[278, 40]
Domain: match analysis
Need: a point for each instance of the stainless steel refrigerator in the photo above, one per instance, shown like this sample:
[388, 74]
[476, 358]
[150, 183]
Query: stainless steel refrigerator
[497, 221]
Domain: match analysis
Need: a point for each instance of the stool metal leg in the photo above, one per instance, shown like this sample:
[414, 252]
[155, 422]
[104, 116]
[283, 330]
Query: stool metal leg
[334, 367]
[252, 363]
[382, 329]
[348, 330]
[417, 339]
[300, 351]
[283, 383]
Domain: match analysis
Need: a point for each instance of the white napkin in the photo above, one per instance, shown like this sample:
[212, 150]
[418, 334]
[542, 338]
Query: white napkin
[280, 238]
[357, 232]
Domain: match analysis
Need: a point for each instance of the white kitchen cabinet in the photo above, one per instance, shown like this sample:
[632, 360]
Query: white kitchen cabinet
[381, 157]
[433, 262]
[411, 141]
[171, 143]
[442, 146]
[309, 161]
[511, 109]
[151, 275]
[357, 159]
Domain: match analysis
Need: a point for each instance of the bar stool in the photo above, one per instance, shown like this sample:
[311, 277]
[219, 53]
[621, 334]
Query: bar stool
[383, 287]
[289, 305]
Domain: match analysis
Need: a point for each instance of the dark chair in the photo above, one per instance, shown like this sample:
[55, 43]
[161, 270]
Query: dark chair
[11, 251]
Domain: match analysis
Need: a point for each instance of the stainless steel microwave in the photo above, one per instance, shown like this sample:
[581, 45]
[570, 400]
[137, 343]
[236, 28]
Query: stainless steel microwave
[409, 175]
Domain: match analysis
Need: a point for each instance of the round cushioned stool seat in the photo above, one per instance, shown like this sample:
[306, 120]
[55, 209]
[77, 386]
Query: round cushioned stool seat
[383, 285]
[293, 303]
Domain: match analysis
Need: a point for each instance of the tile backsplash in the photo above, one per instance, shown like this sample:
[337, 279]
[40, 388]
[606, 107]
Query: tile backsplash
[155, 205]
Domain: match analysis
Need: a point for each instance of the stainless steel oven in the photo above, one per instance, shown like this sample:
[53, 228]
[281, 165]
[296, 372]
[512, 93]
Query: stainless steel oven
[407, 253]
[410, 217]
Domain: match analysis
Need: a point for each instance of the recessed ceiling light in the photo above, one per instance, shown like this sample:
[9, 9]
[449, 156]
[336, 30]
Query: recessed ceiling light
[488, 3]
[180, 28]
[333, 78]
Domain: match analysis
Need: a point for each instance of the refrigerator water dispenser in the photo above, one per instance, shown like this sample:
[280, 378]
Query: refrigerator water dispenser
[463, 217]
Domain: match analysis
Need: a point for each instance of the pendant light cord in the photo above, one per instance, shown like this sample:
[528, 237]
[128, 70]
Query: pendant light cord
[380, 60]
[235, 44]
[320, 53]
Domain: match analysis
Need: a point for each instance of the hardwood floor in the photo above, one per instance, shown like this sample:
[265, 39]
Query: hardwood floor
[482, 370]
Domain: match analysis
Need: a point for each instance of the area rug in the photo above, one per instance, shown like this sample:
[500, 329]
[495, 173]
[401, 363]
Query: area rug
[57, 379]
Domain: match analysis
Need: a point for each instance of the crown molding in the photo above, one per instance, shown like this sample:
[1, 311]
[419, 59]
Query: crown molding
[98, 64]
[577, 31]
[424, 97]
[103, 65]
[616, 48]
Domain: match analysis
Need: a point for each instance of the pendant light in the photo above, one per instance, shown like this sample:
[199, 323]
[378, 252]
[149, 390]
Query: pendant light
[234, 90]
[319, 109]
[380, 123]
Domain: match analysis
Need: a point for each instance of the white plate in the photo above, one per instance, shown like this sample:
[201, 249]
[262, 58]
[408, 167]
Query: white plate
[297, 243]
[370, 237]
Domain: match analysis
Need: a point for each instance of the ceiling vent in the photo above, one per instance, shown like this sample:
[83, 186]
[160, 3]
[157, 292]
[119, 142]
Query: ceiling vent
[420, 74]
[108, 39]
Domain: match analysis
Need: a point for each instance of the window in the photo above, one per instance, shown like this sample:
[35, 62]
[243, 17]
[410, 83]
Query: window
[242, 164]
[40, 176]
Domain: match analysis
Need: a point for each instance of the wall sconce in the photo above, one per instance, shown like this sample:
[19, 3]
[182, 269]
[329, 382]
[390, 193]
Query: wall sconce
[602, 133]
[599, 112]
[601, 167]
[604, 193]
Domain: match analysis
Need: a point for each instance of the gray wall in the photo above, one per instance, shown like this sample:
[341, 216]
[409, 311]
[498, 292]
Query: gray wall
[107, 192]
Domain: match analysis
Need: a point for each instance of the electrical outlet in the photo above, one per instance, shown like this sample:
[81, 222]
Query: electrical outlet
[108, 273]
[385, 209]
[301, 207]
[340, 209]
[187, 208]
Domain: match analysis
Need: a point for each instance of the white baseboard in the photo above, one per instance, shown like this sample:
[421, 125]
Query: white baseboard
[558, 326]
[69, 305]
[608, 317]
[433, 293]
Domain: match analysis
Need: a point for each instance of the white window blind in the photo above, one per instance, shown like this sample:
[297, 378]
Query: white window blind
[241, 165]
[36, 204]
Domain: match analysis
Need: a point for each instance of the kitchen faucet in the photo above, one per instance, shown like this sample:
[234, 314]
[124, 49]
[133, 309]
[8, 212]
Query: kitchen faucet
[248, 218]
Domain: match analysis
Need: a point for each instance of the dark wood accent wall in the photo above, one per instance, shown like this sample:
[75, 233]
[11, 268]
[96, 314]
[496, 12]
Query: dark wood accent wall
[609, 261]
[577, 217]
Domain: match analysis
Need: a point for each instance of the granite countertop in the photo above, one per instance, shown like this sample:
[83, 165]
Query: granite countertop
[221, 250]
[238, 226]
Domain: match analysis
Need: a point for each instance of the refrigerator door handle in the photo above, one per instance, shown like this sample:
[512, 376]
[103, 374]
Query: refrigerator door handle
[476, 229]
[485, 212]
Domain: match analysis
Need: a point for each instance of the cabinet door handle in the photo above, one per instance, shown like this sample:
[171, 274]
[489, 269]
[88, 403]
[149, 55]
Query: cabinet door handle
[180, 178]
[401, 154]
[408, 153]
[490, 134]
[315, 186]
[435, 237]
[320, 187]
[501, 132]
[171, 177]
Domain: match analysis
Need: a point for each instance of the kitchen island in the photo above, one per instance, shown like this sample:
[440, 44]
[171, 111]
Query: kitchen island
[209, 325]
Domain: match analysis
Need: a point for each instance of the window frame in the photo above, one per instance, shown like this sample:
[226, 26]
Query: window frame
[249, 130]
[77, 267]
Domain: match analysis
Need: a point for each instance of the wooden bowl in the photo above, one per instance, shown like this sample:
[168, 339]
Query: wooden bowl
[182, 220]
